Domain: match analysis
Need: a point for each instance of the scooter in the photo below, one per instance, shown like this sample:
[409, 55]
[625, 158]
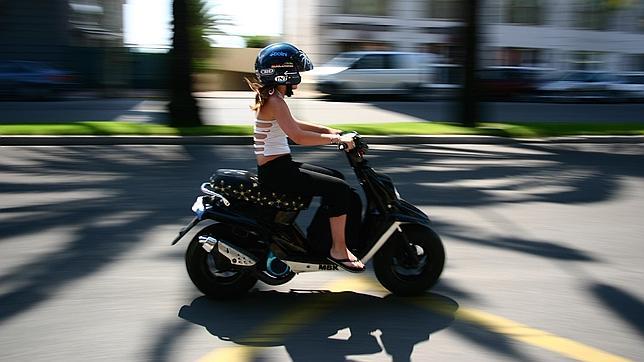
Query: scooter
[247, 233]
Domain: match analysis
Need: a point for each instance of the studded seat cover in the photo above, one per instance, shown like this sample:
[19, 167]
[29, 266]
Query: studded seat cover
[244, 186]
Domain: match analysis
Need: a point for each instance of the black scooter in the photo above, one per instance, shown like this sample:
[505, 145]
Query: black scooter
[247, 233]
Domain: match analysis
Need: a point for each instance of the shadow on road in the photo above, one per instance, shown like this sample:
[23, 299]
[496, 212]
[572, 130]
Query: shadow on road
[625, 305]
[367, 324]
[473, 176]
[109, 197]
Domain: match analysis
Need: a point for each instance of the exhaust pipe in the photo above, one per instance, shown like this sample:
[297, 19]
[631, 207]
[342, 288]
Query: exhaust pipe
[235, 255]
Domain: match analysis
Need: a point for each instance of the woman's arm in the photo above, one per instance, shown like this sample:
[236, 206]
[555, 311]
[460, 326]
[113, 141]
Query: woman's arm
[317, 128]
[302, 135]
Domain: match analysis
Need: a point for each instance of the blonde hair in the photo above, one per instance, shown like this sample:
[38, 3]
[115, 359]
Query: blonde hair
[262, 92]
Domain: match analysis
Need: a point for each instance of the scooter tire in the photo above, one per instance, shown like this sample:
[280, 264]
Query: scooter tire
[229, 284]
[392, 275]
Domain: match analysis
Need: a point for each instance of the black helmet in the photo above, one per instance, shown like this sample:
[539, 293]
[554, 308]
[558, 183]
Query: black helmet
[281, 64]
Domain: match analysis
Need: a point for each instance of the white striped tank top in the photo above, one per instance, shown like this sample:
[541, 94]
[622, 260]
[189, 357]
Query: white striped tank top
[270, 139]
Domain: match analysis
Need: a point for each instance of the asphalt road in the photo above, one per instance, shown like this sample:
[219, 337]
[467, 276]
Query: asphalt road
[232, 108]
[543, 243]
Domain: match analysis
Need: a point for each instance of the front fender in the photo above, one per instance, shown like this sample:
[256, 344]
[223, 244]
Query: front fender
[410, 214]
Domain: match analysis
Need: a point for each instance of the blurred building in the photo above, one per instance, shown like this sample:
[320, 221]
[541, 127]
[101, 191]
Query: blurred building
[83, 36]
[96, 22]
[562, 34]
[45, 30]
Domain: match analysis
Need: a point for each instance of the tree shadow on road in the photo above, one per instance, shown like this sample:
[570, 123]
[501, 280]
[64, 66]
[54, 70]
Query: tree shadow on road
[625, 305]
[110, 197]
[126, 192]
[472, 176]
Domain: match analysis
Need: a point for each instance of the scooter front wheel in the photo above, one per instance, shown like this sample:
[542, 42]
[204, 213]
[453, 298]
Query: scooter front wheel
[405, 274]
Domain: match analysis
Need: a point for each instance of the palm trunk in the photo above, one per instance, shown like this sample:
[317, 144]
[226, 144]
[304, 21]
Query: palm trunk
[183, 106]
[470, 95]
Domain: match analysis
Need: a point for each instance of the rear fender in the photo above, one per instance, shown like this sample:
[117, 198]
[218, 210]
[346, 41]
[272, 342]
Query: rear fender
[214, 215]
[194, 230]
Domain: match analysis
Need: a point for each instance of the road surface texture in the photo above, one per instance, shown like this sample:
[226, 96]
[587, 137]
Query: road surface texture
[544, 246]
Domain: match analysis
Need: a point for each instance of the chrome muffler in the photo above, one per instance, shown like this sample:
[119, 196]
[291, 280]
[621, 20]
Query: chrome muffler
[235, 255]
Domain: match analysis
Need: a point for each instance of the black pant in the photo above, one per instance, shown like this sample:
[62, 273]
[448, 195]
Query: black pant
[285, 175]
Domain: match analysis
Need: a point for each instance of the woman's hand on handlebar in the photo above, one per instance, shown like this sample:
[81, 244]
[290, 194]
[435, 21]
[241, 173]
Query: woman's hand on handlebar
[346, 142]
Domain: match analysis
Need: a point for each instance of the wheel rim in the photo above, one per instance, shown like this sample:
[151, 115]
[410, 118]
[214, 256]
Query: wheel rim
[223, 276]
[406, 269]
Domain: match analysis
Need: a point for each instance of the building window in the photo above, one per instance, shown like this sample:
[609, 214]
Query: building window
[524, 12]
[367, 7]
[447, 52]
[446, 9]
[592, 14]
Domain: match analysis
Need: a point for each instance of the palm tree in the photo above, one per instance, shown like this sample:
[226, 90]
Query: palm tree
[183, 107]
[203, 24]
[470, 95]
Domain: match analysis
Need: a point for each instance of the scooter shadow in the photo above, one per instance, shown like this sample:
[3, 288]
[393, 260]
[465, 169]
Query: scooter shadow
[303, 321]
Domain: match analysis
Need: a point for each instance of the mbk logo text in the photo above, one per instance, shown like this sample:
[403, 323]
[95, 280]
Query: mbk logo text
[328, 267]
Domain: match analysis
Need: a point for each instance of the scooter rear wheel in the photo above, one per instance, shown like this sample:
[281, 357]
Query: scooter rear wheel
[209, 271]
[404, 274]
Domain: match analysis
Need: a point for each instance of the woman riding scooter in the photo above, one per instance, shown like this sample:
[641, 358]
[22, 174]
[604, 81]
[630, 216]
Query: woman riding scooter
[277, 69]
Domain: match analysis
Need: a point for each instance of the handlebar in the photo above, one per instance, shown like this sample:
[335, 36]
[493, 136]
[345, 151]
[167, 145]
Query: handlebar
[355, 155]
[343, 146]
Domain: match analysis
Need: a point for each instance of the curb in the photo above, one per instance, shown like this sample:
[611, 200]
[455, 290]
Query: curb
[247, 140]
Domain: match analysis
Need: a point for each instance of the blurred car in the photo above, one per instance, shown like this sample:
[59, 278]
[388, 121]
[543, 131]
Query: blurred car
[581, 85]
[445, 81]
[509, 82]
[33, 80]
[374, 72]
[630, 87]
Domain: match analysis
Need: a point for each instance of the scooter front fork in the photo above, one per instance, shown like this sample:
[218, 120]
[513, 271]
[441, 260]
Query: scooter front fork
[408, 249]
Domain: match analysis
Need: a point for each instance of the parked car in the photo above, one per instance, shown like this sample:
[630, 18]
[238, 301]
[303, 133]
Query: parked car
[581, 85]
[630, 87]
[33, 80]
[374, 72]
[507, 82]
[445, 81]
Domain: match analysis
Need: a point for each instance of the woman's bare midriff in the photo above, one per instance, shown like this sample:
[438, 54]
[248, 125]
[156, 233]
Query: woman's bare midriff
[262, 160]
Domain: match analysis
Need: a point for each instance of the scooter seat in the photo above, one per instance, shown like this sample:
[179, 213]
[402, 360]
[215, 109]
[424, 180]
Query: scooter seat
[242, 185]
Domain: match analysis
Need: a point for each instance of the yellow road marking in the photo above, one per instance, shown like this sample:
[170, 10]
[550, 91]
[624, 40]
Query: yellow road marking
[535, 337]
[520, 332]
[281, 327]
